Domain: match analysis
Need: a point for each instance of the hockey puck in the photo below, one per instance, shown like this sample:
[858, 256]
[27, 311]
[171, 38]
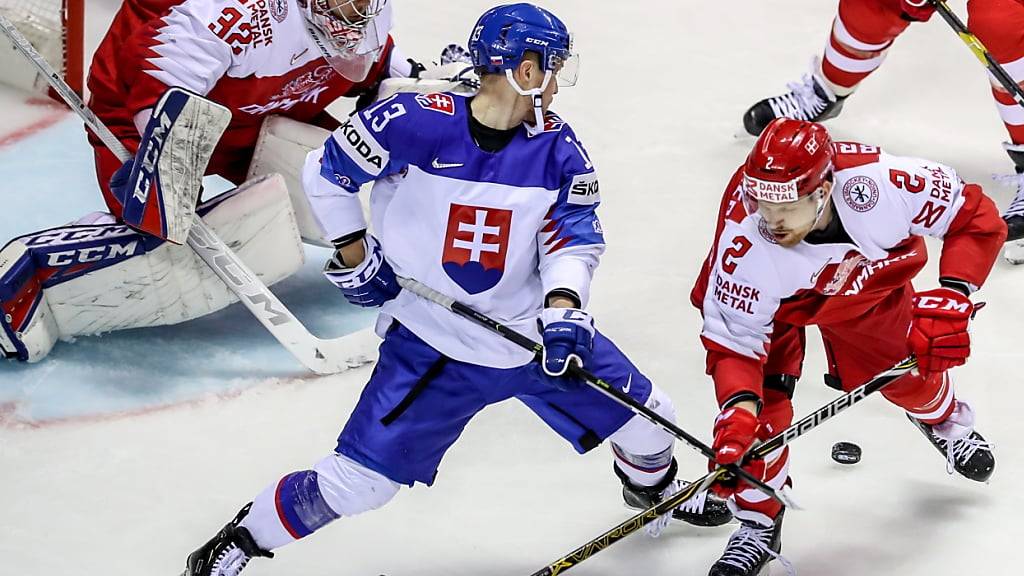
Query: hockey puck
[846, 452]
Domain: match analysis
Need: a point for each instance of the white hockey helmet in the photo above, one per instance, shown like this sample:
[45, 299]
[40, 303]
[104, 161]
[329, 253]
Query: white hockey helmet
[349, 33]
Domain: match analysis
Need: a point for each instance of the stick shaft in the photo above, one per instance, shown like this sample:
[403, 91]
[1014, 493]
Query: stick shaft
[796, 430]
[979, 50]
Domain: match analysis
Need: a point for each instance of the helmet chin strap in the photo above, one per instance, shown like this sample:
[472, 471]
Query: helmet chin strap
[537, 95]
[821, 210]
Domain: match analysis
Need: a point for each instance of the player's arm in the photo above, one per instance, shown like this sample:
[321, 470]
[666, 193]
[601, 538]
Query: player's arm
[571, 240]
[358, 152]
[939, 204]
[738, 304]
[570, 243]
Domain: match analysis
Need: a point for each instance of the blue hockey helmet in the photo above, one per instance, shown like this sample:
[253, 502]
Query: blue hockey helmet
[504, 34]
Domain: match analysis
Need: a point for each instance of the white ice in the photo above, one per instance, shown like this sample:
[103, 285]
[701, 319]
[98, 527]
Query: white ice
[121, 454]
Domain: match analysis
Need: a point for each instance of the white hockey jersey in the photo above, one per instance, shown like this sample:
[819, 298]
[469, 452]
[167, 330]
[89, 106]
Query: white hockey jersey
[496, 231]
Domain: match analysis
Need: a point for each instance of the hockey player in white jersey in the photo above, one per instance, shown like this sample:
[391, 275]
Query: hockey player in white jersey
[812, 232]
[491, 200]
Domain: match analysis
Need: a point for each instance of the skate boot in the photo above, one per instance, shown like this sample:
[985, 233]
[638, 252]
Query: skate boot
[704, 509]
[965, 450]
[809, 99]
[227, 553]
[1014, 214]
[751, 547]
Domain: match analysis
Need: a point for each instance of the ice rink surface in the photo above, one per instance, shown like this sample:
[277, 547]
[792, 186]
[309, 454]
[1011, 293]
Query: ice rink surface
[121, 454]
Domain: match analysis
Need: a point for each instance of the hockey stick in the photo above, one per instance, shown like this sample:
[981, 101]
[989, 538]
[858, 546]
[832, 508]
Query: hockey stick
[979, 50]
[596, 383]
[805, 425]
[318, 355]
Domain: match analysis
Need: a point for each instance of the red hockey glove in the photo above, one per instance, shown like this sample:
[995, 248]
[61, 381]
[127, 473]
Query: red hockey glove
[938, 333]
[736, 430]
[919, 10]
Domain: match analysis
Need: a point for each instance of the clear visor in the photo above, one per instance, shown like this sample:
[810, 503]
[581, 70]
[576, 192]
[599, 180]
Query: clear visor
[566, 70]
[782, 217]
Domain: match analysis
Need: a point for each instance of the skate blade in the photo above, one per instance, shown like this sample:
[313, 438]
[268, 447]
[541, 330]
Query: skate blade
[1013, 252]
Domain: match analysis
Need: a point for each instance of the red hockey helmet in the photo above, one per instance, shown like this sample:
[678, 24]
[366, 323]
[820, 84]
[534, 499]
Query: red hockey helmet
[791, 159]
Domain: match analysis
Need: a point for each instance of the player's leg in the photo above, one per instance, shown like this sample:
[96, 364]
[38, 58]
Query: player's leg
[412, 410]
[862, 32]
[999, 24]
[861, 348]
[642, 451]
[759, 538]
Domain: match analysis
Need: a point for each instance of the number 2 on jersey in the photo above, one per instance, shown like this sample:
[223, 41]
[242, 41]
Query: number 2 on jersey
[740, 246]
[912, 184]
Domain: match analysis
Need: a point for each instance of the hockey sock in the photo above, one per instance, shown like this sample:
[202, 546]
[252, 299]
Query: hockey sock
[930, 400]
[861, 34]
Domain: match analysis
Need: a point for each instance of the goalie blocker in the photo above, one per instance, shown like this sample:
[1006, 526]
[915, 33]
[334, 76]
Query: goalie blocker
[96, 277]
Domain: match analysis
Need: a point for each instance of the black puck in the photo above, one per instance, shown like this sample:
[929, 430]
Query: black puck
[846, 452]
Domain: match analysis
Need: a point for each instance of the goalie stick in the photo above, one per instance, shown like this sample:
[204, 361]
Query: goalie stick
[428, 293]
[797, 429]
[318, 355]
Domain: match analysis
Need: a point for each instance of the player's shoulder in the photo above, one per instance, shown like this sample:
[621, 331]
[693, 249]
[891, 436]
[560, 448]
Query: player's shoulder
[853, 155]
[250, 29]
[567, 149]
[406, 115]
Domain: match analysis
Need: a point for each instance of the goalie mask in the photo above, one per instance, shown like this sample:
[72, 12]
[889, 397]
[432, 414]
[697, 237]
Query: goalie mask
[351, 34]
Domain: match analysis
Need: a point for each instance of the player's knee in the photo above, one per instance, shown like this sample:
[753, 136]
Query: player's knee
[639, 437]
[350, 488]
[661, 403]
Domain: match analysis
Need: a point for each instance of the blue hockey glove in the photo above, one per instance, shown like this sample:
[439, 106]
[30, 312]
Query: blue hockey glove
[568, 337]
[371, 283]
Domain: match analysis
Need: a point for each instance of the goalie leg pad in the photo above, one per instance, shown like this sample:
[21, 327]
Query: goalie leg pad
[90, 279]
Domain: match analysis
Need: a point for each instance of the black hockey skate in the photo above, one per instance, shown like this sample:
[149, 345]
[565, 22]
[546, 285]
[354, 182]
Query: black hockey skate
[809, 99]
[704, 509]
[227, 553]
[1014, 215]
[751, 547]
[965, 450]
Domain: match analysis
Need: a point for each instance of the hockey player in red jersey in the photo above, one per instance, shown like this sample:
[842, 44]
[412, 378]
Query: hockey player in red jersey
[257, 57]
[862, 33]
[812, 232]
